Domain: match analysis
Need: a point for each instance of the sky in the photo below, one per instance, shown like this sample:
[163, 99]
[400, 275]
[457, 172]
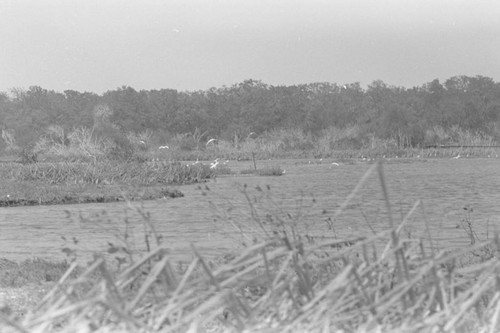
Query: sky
[100, 45]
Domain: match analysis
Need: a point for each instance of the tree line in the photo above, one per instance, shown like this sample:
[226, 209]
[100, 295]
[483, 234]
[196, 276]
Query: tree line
[380, 110]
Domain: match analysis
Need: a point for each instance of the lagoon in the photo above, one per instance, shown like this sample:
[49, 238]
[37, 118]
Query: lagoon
[309, 194]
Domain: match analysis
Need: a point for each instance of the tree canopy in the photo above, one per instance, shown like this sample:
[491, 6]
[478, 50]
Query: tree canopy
[471, 103]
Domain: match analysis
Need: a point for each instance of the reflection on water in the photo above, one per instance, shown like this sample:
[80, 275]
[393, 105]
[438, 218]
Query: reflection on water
[445, 187]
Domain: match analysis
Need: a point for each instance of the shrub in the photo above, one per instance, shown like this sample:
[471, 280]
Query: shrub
[185, 141]
[339, 139]
[290, 139]
[28, 156]
[8, 139]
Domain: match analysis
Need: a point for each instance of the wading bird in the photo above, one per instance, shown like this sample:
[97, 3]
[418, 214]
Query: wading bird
[214, 164]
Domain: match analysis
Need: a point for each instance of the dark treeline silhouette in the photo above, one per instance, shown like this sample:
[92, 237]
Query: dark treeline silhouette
[381, 110]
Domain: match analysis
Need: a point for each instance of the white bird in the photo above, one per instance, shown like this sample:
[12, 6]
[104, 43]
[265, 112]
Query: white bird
[163, 147]
[335, 163]
[214, 164]
[456, 157]
[210, 141]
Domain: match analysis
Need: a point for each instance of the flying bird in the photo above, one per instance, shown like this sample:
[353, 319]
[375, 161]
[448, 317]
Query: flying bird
[210, 141]
[163, 147]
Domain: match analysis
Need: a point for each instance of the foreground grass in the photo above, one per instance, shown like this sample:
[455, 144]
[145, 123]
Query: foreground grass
[283, 281]
[34, 270]
[23, 285]
[281, 285]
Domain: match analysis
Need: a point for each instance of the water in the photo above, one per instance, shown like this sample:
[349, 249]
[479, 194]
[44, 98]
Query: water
[310, 192]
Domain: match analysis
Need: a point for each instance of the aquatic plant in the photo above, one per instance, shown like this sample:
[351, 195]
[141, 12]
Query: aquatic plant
[99, 181]
[266, 171]
[109, 172]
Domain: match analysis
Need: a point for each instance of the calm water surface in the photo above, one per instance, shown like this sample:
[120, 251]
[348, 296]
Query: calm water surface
[444, 186]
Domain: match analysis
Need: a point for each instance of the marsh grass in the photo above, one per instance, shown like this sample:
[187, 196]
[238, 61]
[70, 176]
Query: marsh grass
[107, 143]
[34, 270]
[16, 193]
[100, 181]
[266, 171]
[283, 281]
[108, 172]
[242, 154]
[349, 142]
[222, 169]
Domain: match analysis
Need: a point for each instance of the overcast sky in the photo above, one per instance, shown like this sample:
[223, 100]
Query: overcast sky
[99, 45]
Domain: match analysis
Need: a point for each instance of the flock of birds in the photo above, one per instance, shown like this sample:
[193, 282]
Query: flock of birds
[217, 161]
[214, 164]
[167, 147]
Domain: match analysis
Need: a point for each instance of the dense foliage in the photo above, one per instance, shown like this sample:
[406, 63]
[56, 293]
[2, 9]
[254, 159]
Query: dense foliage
[409, 115]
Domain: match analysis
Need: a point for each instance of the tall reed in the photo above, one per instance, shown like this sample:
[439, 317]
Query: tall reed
[108, 172]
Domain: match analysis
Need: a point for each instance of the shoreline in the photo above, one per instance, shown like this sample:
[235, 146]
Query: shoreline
[114, 194]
